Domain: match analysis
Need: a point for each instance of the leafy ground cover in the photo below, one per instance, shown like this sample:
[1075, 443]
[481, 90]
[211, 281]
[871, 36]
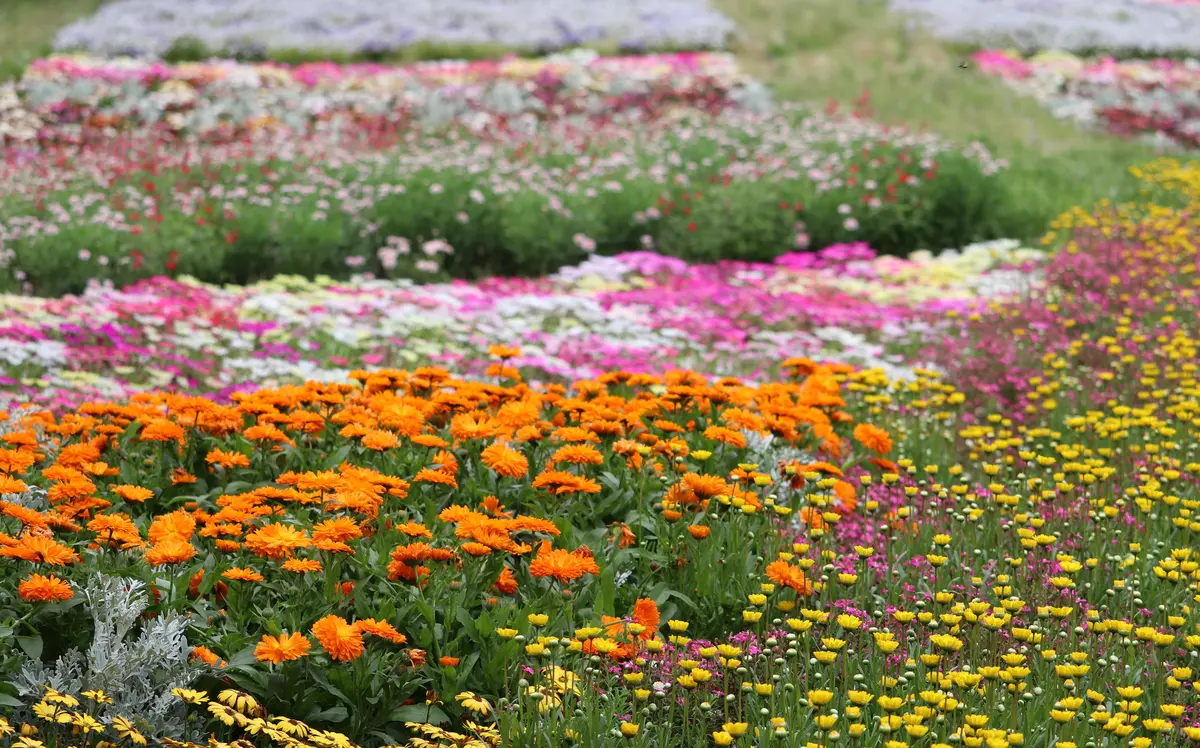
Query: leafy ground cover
[646, 560]
[527, 199]
[1157, 99]
[640, 312]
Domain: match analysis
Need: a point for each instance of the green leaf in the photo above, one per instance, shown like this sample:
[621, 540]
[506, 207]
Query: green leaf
[483, 624]
[6, 700]
[337, 458]
[467, 622]
[31, 645]
[419, 713]
[333, 714]
[243, 658]
[605, 598]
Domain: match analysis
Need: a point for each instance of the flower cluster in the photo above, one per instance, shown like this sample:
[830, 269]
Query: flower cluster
[1156, 99]
[411, 203]
[641, 312]
[72, 98]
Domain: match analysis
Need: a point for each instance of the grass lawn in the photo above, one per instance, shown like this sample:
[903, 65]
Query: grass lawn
[28, 26]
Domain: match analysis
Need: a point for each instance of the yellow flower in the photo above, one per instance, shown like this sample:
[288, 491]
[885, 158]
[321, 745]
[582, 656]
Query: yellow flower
[539, 619]
[821, 697]
[629, 729]
[722, 738]
[190, 696]
[736, 729]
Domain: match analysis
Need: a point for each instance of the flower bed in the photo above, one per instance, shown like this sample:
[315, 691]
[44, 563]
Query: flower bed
[641, 312]
[369, 27]
[1145, 26]
[1159, 99]
[82, 98]
[701, 187]
[637, 560]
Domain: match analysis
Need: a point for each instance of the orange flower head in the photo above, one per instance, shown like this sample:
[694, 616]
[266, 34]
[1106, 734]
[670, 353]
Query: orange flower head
[505, 461]
[873, 438]
[342, 641]
[44, 589]
[282, 648]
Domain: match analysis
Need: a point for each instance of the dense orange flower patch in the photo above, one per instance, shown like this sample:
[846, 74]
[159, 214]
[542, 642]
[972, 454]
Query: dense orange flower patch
[400, 519]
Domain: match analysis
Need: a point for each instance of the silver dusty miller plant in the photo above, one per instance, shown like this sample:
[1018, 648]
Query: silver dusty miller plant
[139, 673]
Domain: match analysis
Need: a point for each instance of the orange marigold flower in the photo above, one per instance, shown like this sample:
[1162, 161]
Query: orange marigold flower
[448, 661]
[133, 493]
[208, 657]
[706, 486]
[242, 575]
[645, 612]
[40, 549]
[466, 426]
[37, 588]
[429, 440]
[699, 532]
[506, 583]
[172, 549]
[559, 482]
[782, 573]
[26, 516]
[178, 523]
[504, 351]
[322, 482]
[382, 629]
[873, 438]
[180, 477]
[276, 541]
[267, 432]
[282, 648]
[339, 529]
[476, 549]
[342, 641]
[162, 430]
[301, 565]
[564, 566]
[623, 535]
[227, 459]
[13, 461]
[11, 485]
[577, 454]
[575, 434]
[847, 498]
[505, 461]
[380, 441]
[725, 436]
[332, 546]
[524, 523]
[427, 475]
[492, 505]
[415, 530]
